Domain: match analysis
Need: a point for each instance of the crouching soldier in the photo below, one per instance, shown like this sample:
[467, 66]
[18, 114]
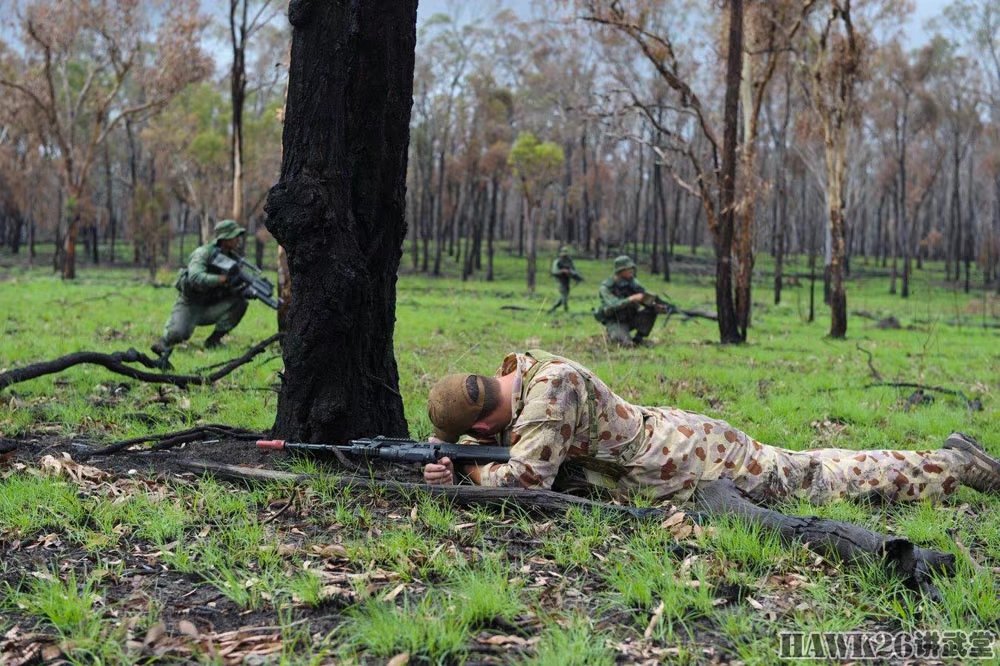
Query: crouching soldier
[625, 305]
[205, 297]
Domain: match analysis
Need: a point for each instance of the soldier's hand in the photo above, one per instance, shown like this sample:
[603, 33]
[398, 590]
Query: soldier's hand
[441, 473]
[223, 279]
[637, 298]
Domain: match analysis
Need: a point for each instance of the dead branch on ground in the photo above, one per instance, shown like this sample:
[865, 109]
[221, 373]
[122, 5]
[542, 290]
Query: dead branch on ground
[167, 440]
[115, 362]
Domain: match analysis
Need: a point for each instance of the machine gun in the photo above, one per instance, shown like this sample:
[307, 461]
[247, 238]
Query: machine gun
[246, 278]
[398, 449]
[667, 308]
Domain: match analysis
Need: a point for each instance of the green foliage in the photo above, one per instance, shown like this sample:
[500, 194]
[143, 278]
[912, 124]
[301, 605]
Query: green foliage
[575, 644]
[484, 593]
[536, 163]
[424, 629]
[29, 505]
[787, 386]
[72, 609]
[746, 547]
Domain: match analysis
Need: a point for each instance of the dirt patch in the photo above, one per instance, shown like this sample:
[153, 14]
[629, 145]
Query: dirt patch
[194, 617]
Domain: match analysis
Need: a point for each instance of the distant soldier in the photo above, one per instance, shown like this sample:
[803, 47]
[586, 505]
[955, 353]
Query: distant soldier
[563, 271]
[625, 305]
[206, 297]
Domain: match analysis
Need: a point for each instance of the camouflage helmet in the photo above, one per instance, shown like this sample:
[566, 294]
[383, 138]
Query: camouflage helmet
[226, 229]
[622, 262]
[565, 251]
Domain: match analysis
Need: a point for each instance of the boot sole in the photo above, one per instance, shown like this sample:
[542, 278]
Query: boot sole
[966, 444]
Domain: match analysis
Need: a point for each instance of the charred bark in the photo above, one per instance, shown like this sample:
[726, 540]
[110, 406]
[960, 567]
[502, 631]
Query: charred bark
[729, 330]
[338, 211]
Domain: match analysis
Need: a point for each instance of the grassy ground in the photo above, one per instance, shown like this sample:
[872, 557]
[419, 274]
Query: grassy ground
[118, 567]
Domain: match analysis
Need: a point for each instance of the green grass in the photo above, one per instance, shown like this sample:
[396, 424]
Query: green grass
[578, 589]
[425, 630]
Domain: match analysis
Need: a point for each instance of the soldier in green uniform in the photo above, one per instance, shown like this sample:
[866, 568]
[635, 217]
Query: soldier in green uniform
[621, 309]
[205, 297]
[563, 271]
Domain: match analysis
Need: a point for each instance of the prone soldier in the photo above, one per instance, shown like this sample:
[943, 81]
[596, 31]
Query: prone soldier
[549, 410]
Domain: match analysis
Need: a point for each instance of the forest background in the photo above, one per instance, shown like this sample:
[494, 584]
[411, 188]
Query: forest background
[129, 128]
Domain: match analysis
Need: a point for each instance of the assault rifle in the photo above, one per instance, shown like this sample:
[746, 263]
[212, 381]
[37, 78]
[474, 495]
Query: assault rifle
[246, 278]
[667, 308]
[398, 449]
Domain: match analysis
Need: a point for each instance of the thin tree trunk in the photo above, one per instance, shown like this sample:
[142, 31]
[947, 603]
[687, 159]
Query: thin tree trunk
[728, 325]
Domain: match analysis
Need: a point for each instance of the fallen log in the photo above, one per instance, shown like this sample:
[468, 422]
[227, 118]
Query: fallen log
[833, 539]
[115, 362]
[544, 500]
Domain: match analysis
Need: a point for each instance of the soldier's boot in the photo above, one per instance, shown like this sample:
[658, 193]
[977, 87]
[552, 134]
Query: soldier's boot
[983, 470]
[214, 340]
[162, 352]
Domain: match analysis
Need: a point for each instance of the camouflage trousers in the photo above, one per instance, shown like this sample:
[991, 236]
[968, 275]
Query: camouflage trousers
[619, 329]
[185, 316]
[563, 294]
[678, 449]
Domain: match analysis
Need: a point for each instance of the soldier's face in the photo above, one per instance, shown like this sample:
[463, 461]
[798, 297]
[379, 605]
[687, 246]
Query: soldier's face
[626, 274]
[229, 244]
[492, 423]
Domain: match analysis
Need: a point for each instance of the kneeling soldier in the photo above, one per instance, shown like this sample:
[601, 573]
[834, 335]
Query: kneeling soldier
[623, 305]
[205, 296]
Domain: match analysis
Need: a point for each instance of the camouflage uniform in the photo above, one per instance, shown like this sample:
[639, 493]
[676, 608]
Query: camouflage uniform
[564, 262]
[203, 298]
[563, 411]
[619, 315]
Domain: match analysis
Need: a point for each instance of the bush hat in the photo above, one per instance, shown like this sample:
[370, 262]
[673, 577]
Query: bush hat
[226, 229]
[622, 262]
[457, 402]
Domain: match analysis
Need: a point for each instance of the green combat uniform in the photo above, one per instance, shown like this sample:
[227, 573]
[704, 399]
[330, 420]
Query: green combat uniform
[562, 411]
[203, 299]
[563, 271]
[619, 315]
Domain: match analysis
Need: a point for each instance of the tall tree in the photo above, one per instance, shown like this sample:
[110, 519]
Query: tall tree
[338, 210]
[651, 27]
[82, 59]
[536, 165]
[835, 67]
[244, 22]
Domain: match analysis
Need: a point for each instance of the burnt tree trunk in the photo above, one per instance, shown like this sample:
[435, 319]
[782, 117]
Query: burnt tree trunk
[729, 329]
[338, 210]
